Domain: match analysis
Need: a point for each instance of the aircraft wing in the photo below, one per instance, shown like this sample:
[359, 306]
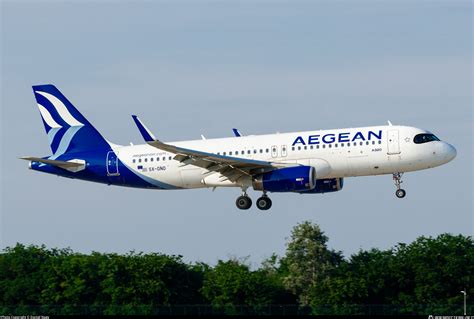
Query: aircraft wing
[230, 167]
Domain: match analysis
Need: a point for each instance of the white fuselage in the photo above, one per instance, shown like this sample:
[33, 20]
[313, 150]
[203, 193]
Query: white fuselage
[334, 154]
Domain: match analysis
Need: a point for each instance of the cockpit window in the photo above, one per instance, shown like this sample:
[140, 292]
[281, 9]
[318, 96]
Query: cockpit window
[424, 138]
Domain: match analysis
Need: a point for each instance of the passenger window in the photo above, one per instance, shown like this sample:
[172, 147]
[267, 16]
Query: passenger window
[342, 144]
[133, 161]
[255, 151]
[151, 159]
[317, 146]
[224, 153]
[361, 143]
[164, 158]
[268, 150]
[146, 159]
[261, 151]
[348, 144]
[380, 142]
[157, 159]
[355, 143]
[373, 142]
[305, 148]
[242, 152]
[248, 152]
[311, 147]
[324, 145]
[169, 158]
[335, 145]
[329, 145]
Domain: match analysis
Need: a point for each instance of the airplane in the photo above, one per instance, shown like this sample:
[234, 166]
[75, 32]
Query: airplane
[311, 162]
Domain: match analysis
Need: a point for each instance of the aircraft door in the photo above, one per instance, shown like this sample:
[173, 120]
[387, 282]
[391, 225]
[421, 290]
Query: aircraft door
[112, 164]
[274, 151]
[283, 151]
[393, 142]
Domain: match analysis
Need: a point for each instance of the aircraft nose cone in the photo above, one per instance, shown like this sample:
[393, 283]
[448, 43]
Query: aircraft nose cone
[450, 152]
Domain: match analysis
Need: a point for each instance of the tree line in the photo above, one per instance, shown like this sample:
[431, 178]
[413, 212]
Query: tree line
[425, 276]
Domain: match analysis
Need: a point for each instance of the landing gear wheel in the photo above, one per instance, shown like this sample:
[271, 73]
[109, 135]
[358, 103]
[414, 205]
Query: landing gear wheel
[397, 178]
[264, 203]
[400, 193]
[243, 202]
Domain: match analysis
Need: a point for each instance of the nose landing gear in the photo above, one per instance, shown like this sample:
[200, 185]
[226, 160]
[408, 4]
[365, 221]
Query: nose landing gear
[397, 178]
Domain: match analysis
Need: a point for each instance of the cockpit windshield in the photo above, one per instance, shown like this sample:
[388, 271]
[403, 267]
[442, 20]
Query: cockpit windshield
[424, 138]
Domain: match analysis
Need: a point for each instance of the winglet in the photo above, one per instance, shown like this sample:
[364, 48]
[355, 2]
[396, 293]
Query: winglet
[236, 132]
[144, 131]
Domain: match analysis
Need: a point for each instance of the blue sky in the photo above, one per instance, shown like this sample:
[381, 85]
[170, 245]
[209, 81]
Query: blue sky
[191, 68]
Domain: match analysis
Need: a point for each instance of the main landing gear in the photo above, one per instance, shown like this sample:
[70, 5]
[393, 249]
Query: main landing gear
[397, 178]
[244, 202]
[264, 202]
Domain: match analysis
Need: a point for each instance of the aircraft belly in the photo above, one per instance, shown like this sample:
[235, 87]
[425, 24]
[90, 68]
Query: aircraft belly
[380, 164]
[358, 165]
[170, 176]
[191, 177]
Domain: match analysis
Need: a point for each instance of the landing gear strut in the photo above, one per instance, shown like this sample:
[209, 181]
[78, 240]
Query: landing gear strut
[243, 201]
[397, 178]
[264, 202]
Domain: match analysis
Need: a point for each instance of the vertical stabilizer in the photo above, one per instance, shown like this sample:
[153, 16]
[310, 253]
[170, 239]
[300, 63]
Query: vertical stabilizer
[67, 129]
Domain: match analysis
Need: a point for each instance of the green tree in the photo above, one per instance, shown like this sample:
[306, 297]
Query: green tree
[364, 280]
[66, 281]
[150, 280]
[22, 274]
[232, 283]
[432, 271]
[424, 276]
[308, 260]
[276, 270]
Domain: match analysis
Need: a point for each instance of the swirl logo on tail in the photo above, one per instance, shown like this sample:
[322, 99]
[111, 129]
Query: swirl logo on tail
[67, 129]
[53, 111]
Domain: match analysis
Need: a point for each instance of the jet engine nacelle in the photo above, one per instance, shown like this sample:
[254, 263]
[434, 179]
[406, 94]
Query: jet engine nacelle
[289, 179]
[328, 185]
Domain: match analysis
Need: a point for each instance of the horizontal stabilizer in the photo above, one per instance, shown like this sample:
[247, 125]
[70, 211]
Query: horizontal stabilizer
[73, 165]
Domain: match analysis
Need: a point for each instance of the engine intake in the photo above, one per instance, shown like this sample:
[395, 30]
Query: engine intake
[290, 179]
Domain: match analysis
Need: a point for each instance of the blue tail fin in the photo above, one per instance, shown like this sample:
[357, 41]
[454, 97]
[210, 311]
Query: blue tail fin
[68, 130]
